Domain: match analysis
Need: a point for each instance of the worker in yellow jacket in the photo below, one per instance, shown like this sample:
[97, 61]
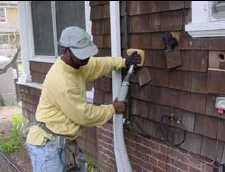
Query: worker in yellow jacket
[62, 109]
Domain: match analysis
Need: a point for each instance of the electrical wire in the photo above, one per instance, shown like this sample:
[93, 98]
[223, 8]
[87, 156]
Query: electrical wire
[165, 130]
[10, 162]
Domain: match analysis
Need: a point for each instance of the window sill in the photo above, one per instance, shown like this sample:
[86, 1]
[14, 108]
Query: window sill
[43, 59]
[89, 94]
[207, 29]
[30, 84]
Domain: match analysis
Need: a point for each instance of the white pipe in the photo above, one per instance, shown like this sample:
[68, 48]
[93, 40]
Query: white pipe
[122, 160]
[88, 23]
[26, 41]
[54, 27]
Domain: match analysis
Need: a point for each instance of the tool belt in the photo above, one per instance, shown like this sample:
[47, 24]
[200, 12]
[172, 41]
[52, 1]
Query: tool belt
[74, 158]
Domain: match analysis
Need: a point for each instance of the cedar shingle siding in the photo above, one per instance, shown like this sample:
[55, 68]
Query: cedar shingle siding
[188, 92]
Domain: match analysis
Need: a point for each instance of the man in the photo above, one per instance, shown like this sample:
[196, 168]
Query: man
[63, 109]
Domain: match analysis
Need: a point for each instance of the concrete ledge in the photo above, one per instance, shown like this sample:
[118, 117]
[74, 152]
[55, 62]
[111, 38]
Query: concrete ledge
[30, 84]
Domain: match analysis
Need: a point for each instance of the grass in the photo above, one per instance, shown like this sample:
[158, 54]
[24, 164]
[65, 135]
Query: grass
[91, 166]
[14, 141]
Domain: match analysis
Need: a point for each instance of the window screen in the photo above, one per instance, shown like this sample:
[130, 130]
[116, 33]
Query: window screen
[4, 39]
[42, 27]
[2, 14]
[69, 13]
[218, 9]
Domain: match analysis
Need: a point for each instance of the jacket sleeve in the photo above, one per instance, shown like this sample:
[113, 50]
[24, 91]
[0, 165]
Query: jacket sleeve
[82, 113]
[100, 66]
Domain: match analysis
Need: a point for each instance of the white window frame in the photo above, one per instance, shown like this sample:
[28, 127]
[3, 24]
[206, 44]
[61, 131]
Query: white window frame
[4, 8]
[27, 39]
[203, 24]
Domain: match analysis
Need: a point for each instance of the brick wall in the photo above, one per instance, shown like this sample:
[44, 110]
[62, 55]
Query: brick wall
[148, 154]
[30, 98]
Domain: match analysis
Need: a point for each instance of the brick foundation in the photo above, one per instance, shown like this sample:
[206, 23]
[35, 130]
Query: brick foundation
[147, 155]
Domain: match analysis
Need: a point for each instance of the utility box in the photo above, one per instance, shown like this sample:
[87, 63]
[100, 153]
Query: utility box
[7, 84]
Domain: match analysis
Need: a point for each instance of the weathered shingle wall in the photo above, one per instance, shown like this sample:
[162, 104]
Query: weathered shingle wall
[187, 93]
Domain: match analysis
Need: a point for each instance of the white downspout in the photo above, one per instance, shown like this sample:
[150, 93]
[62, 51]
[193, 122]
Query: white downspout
[26, 39]
[122, 160]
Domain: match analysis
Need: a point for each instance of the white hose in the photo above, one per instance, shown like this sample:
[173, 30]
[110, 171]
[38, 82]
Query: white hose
[122, 161]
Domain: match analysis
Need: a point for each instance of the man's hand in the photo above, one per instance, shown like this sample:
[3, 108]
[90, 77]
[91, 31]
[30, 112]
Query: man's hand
[119, 107]
[133, 59]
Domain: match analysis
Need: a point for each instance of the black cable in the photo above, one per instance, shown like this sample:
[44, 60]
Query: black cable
[10, 162]
[165, 129]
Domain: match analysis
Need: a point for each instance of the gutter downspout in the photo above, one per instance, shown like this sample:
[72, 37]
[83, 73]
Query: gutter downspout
[26, 40]
[122, 160]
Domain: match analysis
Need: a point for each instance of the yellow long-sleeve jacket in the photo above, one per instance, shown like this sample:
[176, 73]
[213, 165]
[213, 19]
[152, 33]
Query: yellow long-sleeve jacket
[63, 107]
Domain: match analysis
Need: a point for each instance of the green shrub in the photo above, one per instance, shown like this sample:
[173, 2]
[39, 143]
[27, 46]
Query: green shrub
[91, 166]
[14, 141]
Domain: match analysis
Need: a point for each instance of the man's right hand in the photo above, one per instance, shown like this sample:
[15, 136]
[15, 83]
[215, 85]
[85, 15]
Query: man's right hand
[133, 59]
[119, 106]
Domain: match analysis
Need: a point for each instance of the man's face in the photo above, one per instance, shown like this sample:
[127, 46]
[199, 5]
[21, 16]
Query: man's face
[77, 63]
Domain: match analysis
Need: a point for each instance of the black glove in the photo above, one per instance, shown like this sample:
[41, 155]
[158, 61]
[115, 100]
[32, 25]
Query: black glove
[133, 59]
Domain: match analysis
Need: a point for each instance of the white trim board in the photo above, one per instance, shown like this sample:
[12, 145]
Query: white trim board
[203, 24]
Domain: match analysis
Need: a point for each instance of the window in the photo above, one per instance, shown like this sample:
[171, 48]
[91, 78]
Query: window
[208, 19]
[69, 13]
[49, 18]
[4, 38]
[218, 9]
[2, 15]
[42, 28]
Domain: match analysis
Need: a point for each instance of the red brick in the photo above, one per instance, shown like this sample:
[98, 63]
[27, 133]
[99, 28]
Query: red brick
[158, 170]
[171, 169]
[37, 77]
[208, 168]
[180, 165]
[136, 167]
[161, 165]
[40, 67]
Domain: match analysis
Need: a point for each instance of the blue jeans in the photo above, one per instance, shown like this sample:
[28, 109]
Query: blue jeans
[48, 158]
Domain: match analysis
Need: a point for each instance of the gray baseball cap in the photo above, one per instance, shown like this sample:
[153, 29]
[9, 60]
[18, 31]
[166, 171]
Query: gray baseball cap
[79, 42]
